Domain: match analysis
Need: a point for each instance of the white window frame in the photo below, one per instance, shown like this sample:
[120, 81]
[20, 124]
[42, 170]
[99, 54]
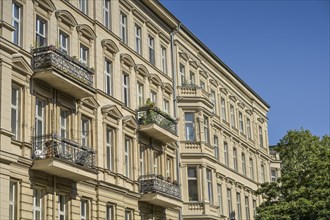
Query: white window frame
[140, 94]
[151, 49]
[209, 185]
[17, 23]
[107, 14]
[125, 80]
[37, 208]
[138, 37]
[239, 206]
[128, 214]
[84, 209]
[232, 116]
[123, 27]
[163, 59]
[273, 175]
[190, 179]
[110, 215]
[206, 129]
[262, 173]
[229, 203]
[108, 76]
[169, 164]
[251, 164]
[127, 156]
[83, 6]
[142, 159]
[192, 78]
[85, 131]
[225, 153]
[219, 195]
[248, 128]
[182, 72]
[109, 148]
[61, 204]
[156, 162]
[235, 159]
[13, 200]
[64, 41]
[241, 124]
[247, 208]
[39, 33]
[39, 130]
[223, 109]
[189, 124]
[153, 96]
[254, 203]
[15, 112]
[166, 106]
[213, 100]
[216, 146]
[243, 164]
[84, 54]
[261, 137]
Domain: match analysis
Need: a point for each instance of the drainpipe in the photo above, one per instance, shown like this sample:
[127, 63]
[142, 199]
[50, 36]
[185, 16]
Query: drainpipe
[175, 106]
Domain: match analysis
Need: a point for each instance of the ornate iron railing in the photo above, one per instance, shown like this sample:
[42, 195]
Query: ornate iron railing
[154, 184]
[53, 146]
[49, 56]
[155, 116]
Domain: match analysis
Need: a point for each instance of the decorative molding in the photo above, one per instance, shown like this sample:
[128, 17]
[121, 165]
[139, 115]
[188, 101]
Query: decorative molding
[86, 31]
[127, 59]
[64, 16]
[142, 70]
[112, 111]
[109, 45]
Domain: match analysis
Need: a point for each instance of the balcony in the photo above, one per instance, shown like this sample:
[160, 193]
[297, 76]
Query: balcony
[62, 72]
[157, 124]
[159, 192]
[193, 93]
[63, 158]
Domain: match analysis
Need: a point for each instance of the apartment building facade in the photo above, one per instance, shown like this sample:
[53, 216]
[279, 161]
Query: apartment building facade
[114, 110]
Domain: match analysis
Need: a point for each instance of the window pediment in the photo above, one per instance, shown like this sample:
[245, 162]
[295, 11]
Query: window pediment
[90, 102]
[138, 15]
[240, 104]
[142, 70]
[214, 82]
[20, 64]
[261, 120]
[233, 98]
[248, 111]
[155, 79]
[66, 17]
[168, 88]
[152, 27]
[129, 121]
[86, 31]
[127, 59]
[194, 63]
[48, 5]
[111, 111]
[184, 56]
[110, 46]
[224, 90]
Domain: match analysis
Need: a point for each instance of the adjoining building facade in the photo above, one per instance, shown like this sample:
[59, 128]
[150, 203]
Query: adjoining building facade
[115, 110]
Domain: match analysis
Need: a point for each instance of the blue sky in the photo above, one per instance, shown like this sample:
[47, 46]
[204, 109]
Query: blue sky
[279, 48]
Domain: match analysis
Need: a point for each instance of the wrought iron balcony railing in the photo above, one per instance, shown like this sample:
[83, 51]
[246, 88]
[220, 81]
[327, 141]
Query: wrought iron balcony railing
[49, 56]
[153, 115]
[53, 146]
[154, 184]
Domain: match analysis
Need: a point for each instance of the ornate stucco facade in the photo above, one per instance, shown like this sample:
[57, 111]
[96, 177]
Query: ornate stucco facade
[115, 110]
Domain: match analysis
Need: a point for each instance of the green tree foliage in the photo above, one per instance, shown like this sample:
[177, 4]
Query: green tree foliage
[303, 191]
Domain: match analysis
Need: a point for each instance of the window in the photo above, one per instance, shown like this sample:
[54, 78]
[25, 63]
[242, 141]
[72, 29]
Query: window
[235, 159]
[128, 142]
[163, 60]
[84, 54]
[106, 14]
[239, 207]
[17, 23]
[41, 30]
[223, 109]
[140, 94]
[254, 203]
[142, 167]
[138, 39]
[128, 214]
[63, 128]
[261, 139]
[12, 200]
[166, 105]
[64, 42]
[219, 193]
[225, 153]
[273, 175]
[84, 208]
[192, 184]
[192, 78]
[39, 122]
[156, 163]
[169, 165]
[109, 148]
[108, 76]
[202, 84]
[182, 75]
[153, 96]
[240, 120]
[123, 27]
[230, 205]
[248, 128]
[110, 212]
[125, 89]
[213, 100]
[262, 176]
[247, 208]
[61, 207]
[15, 119]
[251, 169]
[85, 124]
[209, 185]
[37, 204]
[216, 146]
[206, 129]
[243, 164]
[189, 126]
[232, 115]
[151, 45]
[83, 6]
